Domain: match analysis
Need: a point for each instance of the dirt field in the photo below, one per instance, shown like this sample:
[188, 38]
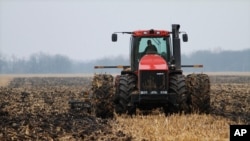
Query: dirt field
[36, 108]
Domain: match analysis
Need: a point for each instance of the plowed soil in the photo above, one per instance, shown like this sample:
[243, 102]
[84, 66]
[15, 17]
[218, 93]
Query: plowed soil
[37, 108]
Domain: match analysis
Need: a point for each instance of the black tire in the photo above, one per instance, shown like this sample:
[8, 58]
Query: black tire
[102, 96]
[126, 85]
[198, 87]
[180, 101]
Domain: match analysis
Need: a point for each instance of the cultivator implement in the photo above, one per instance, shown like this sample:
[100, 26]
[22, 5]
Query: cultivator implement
[125, 67]
[80, 105]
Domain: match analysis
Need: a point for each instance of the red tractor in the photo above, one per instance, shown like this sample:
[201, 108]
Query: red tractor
[154, 78]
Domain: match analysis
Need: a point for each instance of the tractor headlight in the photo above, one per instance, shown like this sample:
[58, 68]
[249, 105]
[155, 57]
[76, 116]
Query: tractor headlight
[143, 92]
[163, 92]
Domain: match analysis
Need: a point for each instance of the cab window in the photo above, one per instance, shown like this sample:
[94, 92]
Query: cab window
[161, 44]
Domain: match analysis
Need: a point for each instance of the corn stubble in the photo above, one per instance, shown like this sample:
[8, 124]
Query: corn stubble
[37, 109]
[175, 127]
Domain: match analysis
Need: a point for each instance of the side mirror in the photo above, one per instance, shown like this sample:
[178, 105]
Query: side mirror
[114, 37]
[185, 37]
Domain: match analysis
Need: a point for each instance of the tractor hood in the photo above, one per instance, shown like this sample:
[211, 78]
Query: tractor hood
[152, 62]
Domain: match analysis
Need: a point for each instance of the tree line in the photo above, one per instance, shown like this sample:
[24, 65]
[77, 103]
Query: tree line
[37, 63]
[221, 61]
[45, 63]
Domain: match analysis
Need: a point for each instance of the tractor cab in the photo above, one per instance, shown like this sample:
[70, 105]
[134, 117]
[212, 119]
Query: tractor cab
[160, 40]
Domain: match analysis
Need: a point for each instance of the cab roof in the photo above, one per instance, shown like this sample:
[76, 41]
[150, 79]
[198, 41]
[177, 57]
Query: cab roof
[151, 32]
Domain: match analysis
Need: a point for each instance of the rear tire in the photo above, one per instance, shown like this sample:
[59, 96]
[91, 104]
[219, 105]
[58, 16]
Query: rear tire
[102, 98]
[198, 87]
[126, 85]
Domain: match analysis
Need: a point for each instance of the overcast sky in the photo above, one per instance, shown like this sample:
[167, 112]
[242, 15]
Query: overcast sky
[81, 29]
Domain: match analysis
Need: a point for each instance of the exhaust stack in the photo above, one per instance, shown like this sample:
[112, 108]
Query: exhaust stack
[176, 45]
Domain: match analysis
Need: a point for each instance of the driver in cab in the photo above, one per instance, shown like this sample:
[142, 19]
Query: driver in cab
[150, 49]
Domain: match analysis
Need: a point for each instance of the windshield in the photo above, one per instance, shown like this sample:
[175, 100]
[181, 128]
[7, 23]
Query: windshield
[160, 43]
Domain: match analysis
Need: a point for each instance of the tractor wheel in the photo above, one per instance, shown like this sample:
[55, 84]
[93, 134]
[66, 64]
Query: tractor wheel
[177, 86]
[102, 97]
[126, 85]
[198, 87]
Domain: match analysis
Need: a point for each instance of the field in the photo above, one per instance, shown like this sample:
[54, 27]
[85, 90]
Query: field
[36, 107]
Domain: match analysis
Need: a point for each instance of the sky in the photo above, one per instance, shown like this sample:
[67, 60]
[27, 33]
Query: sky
[81, 29]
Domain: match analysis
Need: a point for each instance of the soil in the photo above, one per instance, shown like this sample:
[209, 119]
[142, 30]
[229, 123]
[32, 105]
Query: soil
[37, 108]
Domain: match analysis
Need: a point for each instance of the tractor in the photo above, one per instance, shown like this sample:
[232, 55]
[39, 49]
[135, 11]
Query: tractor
[154, 78]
